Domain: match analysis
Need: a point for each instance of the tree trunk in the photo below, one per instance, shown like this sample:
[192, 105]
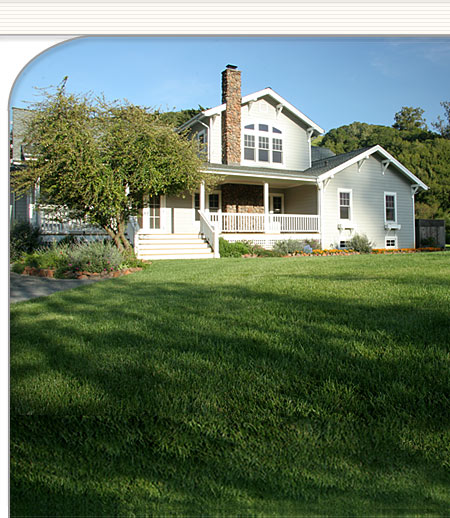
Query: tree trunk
[121, 232]
[115, 237]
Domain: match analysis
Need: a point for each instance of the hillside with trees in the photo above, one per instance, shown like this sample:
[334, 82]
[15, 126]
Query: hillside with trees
[423, 151]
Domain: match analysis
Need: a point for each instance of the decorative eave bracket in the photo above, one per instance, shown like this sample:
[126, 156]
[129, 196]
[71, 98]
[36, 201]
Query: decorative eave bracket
[361, 162]
[279, 108]
[414, 189]
[309, 132]
[385, 164]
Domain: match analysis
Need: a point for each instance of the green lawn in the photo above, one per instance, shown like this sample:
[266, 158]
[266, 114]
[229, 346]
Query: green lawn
[250, 387]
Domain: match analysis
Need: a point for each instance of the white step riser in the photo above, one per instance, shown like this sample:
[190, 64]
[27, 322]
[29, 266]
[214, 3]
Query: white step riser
[170, 256]
[171, 243]
[199, 247]
[188, 246]
[175, 251]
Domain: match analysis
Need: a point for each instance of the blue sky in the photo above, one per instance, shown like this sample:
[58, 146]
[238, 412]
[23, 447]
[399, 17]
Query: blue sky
[334, 81]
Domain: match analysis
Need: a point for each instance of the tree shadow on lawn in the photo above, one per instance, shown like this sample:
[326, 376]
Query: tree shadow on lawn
[240, 393]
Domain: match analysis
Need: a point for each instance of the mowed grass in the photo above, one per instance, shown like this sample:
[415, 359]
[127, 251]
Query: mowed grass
[250, 387]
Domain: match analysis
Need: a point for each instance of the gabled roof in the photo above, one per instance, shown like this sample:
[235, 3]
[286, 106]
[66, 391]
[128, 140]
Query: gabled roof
[254, 97]
[328, 167]
[320, 169]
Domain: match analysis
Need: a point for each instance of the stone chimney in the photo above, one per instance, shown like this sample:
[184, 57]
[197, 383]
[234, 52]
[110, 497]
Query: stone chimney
[231, 117]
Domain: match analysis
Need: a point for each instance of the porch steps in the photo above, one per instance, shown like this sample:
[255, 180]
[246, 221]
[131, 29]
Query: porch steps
[173, 246]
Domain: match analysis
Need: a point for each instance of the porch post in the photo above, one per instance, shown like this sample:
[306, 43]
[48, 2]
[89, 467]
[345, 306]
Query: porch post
[266, 207]
[319, 209]
[202, 197]
[146, 214]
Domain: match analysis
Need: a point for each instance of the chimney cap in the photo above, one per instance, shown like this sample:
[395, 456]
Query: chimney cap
[233, 67]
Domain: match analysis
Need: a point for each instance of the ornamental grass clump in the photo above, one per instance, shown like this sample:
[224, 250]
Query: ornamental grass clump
[288, 246]
[360, 243]
[94, 257]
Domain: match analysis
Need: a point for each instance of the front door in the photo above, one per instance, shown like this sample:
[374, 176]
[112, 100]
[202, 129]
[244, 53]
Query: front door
[276, 204]
[154, 215]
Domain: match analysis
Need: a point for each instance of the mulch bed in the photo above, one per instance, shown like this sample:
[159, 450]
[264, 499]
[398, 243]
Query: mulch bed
[50, 273]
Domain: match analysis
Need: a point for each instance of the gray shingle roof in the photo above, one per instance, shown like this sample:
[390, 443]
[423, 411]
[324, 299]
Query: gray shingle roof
[326, 164]
[318, 167]
[260, 171]
[319, 153]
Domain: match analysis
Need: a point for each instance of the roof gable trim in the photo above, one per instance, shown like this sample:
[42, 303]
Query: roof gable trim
[366, 154]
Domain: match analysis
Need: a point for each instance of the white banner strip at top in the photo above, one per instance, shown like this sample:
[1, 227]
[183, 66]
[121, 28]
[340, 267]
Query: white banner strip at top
[218, 17]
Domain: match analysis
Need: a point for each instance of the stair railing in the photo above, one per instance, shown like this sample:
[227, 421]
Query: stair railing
[211, 232]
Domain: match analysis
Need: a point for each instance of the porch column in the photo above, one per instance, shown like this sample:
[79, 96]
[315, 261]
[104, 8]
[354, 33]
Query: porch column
[266, 206]
[202, 197]
[146, 214]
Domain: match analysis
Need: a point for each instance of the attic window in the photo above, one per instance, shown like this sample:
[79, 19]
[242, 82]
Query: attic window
[263, 127]
[276, 130]
[250, 126]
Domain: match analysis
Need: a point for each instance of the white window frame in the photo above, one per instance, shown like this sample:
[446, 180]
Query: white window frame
[350, 206]
[270, 135]
[393, 238]
[394, 194]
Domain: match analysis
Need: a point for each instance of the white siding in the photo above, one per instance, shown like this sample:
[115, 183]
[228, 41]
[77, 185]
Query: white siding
[294, 136]
[301, 200]
[180, 215]
[295, 139]
[368, 187]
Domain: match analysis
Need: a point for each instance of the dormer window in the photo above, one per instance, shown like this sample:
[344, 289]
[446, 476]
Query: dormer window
[269, 150]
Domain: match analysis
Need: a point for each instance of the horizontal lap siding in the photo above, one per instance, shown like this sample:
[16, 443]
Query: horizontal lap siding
[368, 188]
[301, 200]
[295, 139]
[180, 216]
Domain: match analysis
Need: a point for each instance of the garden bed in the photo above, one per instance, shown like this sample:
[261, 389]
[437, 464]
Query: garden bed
[50, 273]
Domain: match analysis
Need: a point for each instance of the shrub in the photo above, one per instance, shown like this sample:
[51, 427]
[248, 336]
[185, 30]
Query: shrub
[313, 243]
[238, 249]
[24, 239]
[18, 268]
[360, 243]
[288, 246]
[52, 256]
[94, 257]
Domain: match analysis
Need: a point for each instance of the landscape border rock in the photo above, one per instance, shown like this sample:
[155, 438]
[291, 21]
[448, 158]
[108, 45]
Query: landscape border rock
[50, 273]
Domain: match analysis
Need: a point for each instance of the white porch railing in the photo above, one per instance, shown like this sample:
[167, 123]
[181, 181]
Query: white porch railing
[210, 230]
[56, 224]
[264, 223]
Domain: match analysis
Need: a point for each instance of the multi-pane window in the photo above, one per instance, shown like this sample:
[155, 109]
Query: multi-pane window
[249, 147]
[390, 213]
[263, 149]
[277, 150]
[344, 204]
[213, 202]
[391, 242]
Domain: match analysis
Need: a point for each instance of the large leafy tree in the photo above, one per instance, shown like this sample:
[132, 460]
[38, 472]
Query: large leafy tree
[102, 160]
[410, 119]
